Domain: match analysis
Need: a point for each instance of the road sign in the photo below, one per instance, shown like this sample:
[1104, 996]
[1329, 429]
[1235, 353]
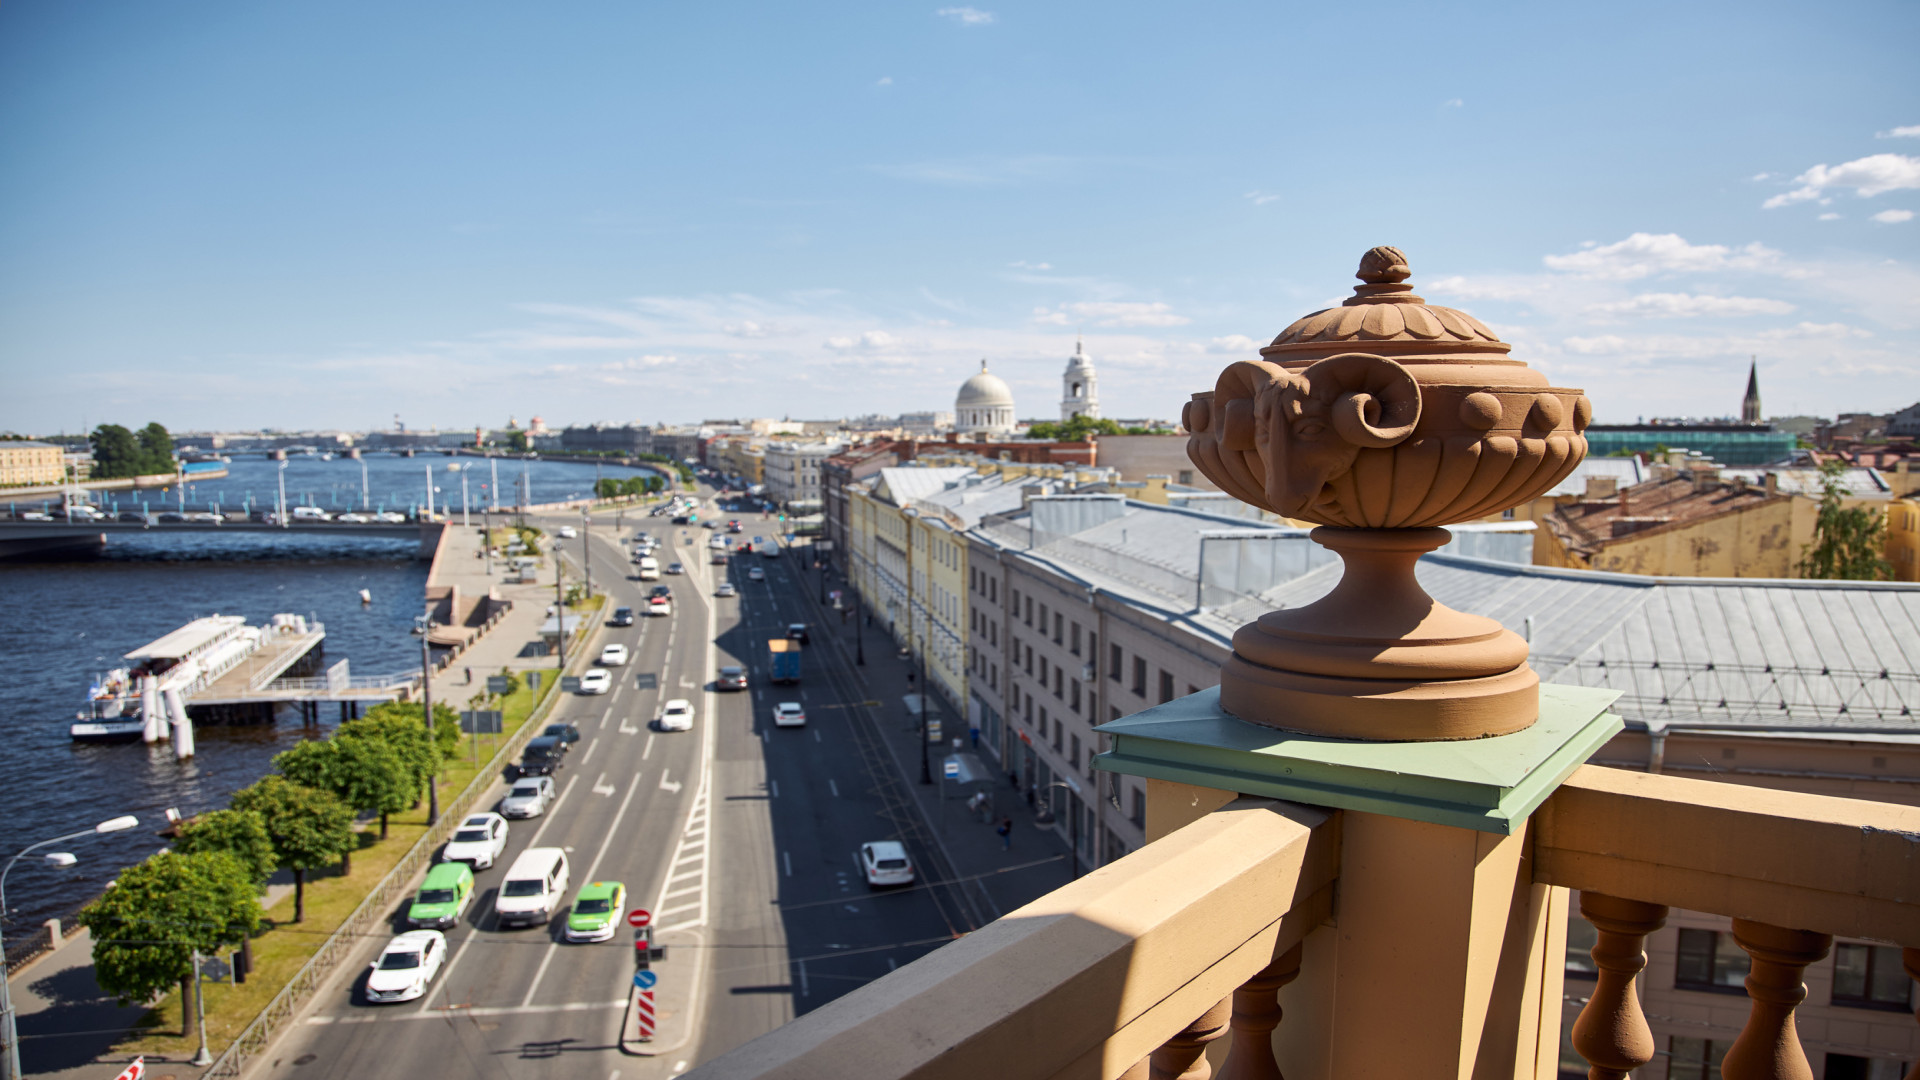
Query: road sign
[499, 684]
[646, 680]
[481, 722]
[215, 969]
[569, 684]
[639, 917]
[645, 979]
[533, 680]
[642, 1009]
[952, 770]
[134, 1071]
[933, 731]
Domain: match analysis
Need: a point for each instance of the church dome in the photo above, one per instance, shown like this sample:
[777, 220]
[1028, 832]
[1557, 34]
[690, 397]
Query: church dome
[984, 390]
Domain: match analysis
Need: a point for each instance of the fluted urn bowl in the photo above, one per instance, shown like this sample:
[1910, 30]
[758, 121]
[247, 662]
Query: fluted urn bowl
[1383, 419]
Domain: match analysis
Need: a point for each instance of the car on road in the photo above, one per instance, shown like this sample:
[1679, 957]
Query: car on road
[622, 616]
[568, 532]
[351, 518]
[542, 756]
[797, 632]
[36, 515]
[675, 568]
[406, 966]
[733, 526]
[754, 573]
[135, 517]
[566, 733]
[677, 715]
[726, 589]
[720, 558]
[789, 714]
[732, 677]
[479, 840]
[535, 887]
[596, 681]
[389, 517]
[680, 519]
[596, 911]
[660, 605]
[443, 897]
[168, 516]
[529, 797]
[209, 517]
[885, 863]
[709, 524]
[613, 655]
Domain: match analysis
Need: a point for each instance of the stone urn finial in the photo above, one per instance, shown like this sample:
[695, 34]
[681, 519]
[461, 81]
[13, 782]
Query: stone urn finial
[1381, 420]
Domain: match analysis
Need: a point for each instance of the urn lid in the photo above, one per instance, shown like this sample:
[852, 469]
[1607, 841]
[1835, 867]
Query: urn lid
[1385, 317]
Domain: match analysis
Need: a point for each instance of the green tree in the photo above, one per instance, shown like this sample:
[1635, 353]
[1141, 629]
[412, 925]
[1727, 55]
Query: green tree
[116, 452]
[367, 774]
[606, 487]
[517, 441]
[156, 449]
[240, 833]
[310, 828]
[399, 723]
[148, 925]
[1847, 541]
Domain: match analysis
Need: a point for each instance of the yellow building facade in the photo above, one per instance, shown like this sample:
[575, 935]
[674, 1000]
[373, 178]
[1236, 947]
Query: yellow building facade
[1903, 538]
[741, 456]
[27, 463]
[911, 566]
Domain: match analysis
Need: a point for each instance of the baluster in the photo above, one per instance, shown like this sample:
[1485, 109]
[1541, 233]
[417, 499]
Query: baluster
[1910, 959]
[1184, 1057]
[1769, 1047]
[1611, 1031]
[1256, 1012]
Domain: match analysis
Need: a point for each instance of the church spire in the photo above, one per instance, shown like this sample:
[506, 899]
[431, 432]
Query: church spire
[1750, 405]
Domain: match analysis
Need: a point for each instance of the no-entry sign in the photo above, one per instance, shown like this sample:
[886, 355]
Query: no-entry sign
[639, 917]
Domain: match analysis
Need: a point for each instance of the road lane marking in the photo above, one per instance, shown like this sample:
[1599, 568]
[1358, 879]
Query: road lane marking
[816, 735]
[677, 910]
[600, 788]
[672, 786]
[787, 861]
[608, 714]
[486, 1010]
[591, 743]
[648, 749]
[804, 990]
[547, 819]
[614, 829]
[625, 730]
[833, 787]
[540, 973]
[679, 892]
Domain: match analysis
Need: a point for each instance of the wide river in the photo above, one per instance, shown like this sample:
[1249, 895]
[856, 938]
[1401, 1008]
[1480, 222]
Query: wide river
[62, 622]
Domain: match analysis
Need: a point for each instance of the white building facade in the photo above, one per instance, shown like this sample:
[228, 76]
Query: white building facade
[793, 469]
[1079, 386]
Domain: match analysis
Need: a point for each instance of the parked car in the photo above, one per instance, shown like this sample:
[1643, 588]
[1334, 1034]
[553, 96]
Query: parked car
[135, 517]
[596, 681]
[566, 733]
[169, 516]
[789, 714]
[732, 677]
[542, 757]
[613, 655]
[351, 518]
[677, 715]
[205, 517]
[596, 911]
[622, 616]
[36, 515]
[529, 797]
[885, 863]
[443, 897]
[406, 966]
[388, 517]
[479, 840]
[726, 589]
[534, 888]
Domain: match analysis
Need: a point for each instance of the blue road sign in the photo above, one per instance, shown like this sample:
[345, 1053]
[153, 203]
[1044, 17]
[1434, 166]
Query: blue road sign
[645, 979]
[953, 770]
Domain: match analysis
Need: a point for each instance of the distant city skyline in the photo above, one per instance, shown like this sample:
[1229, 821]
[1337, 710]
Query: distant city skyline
[303, 216]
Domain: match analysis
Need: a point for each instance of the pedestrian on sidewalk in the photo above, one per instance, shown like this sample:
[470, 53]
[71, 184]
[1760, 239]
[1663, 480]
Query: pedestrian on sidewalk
[469, 676]
[1006, 833]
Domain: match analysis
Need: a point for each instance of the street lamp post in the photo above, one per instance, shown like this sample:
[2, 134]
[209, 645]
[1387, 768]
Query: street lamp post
[426, 711]
[586, 554]
[559, 611]
[9, 1034]
[859, 638]
[283, 494]
[1046, 816]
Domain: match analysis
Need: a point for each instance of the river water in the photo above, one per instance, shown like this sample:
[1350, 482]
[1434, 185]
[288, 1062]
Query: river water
[62, 622]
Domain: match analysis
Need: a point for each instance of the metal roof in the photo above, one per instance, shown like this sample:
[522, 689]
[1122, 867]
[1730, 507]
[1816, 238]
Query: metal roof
[1626, 470]
[196, 635]
[903, 484]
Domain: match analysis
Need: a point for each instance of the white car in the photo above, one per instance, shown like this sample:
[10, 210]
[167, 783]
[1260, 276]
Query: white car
[726, 589]
[529, 797]
[677, 715]
[596, 681]
[756, 574]
[408, 964]
[789, 714]
[479, 840]
[613, 655]
[354, 519]
[660, 605]
[568, 532]
[885, 862]
[391, 518]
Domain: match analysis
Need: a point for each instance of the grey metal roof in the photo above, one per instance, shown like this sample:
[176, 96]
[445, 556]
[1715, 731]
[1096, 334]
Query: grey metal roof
[906, 483]
[1627, 470]
[1855, 481]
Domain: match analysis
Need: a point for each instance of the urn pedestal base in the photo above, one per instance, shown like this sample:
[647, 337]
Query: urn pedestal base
[1379, 659]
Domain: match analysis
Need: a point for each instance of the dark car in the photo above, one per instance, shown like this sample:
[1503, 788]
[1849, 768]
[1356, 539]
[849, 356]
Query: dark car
[566, 733]
[171, 516]
[797, 632]
[622, 616]
[681, 519]
[542, 756]
[659, 590]
[134, 516]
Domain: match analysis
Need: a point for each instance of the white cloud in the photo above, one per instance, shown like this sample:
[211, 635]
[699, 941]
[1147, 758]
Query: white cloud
[1757, 177]
[1829, 216]
[1646, 254]
[1023, 264]
[1261, 198]
[1452, 103]
[1492, 288]
[1867, 177]
[966, 16]
[871, 341]
[884, 80]
[1807, 330]
[1912, 131]
[1893, 217]
[984, 171]
[1110, 313]
[1233, 343]
[1687, 305]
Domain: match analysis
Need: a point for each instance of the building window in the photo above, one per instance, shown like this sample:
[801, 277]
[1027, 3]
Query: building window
[1073, 636]
[1695, 1059]
[1140, 676]
[1073, 753]
[1059, 683]
[1114, 711]
[1027, 610]
[1166, 687]
[1113, 662]
[1851, 1067]
[1043, 619]
[1139, 815]
[1869, 976]
[1029, 652]
[1058, 632]
[993, 592]
[1073, 698]
[1710, 960]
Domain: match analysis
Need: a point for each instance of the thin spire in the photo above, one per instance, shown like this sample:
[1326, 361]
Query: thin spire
[1750, 405]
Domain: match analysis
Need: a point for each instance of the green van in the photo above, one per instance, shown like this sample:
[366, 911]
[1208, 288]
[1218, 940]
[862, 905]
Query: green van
[443, 896]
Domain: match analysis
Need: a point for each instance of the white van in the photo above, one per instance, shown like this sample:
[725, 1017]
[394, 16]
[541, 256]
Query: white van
[649, 569]
[310, 513]
[535, 888]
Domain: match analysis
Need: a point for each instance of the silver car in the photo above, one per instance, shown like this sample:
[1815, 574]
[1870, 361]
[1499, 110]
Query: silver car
[529, 797]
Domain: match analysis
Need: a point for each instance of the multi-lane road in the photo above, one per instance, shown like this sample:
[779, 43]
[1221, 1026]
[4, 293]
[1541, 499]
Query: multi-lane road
[740, 837]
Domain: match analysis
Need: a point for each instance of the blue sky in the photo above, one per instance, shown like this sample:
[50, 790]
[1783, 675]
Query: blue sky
[238, 215]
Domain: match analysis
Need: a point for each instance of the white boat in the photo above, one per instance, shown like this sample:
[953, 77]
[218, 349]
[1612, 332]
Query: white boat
[183, 661]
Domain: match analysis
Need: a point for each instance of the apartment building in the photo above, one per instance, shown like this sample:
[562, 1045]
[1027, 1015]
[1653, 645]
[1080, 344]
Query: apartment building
[23, 462]
[793, 470]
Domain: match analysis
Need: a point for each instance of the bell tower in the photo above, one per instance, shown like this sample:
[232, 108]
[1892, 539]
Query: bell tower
[1079, 386]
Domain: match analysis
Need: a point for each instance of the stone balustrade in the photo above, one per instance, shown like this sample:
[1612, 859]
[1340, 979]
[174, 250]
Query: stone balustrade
[1175, 961]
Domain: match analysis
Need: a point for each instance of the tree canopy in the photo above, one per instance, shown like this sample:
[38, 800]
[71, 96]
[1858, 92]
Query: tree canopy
[310, 828]
[240, 833]
[1079, 429]
[147, 926]
[398, 722]
[1848, 541]
[366, 773]
[118, 452]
